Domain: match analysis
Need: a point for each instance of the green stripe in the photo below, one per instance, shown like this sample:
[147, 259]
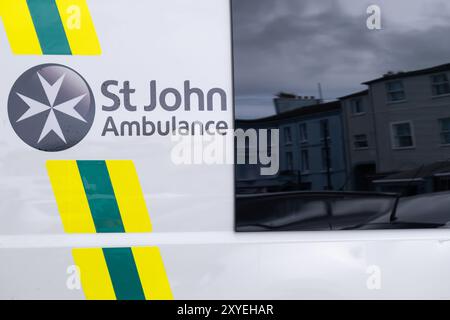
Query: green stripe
[124, 274]
[100, 195]
[49, 27]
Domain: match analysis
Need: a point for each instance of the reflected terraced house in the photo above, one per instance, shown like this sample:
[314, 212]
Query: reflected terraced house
[398, 132]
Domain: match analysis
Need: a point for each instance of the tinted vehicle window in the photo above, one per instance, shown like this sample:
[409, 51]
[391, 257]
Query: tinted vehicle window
[353, 112]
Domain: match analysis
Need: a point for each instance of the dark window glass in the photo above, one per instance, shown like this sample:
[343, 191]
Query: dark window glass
[360, 141]
[360, 118]
[441, 85]
[395, 91]
[357, 106]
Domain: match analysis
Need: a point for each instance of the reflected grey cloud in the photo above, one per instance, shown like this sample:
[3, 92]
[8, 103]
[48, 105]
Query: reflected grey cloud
[291, 45]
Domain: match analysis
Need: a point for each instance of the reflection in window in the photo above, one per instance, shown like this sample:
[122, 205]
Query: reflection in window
[305, 161]
[402, 135]
[441, 85]
[269, 143]
[326, 159]
[360, 141]
[289, 161]
[357, 106]
[287, 135]
[340, 151]
[303, 133]
[395, 91]
[443, 183]
[445, 130]
[324, 129]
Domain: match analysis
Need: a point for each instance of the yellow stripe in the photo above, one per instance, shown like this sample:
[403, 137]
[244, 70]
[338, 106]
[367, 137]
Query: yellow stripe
[95, 278]
[70, 196]
[19, 27]
[153, 276]
[79, 28]
[130, 199]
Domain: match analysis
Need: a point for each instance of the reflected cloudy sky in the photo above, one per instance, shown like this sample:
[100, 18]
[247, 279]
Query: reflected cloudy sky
[291, 45]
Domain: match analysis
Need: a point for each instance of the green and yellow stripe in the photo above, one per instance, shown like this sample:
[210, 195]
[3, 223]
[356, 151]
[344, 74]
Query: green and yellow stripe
[49, 27]
[99, 196]
[105, 197]
[122, 273]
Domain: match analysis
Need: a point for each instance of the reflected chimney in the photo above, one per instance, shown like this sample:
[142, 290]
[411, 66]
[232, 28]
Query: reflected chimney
[285, 102]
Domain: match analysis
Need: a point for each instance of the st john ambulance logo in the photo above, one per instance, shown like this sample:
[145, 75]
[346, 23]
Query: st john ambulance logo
[51, 107]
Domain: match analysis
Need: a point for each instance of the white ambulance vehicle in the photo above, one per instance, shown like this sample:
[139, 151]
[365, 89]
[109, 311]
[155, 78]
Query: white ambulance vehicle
[92, 203]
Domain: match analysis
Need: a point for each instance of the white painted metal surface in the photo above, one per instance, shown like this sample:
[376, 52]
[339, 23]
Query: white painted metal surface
[191, 207]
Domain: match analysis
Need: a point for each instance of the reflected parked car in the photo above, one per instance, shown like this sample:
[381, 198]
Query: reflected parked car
[423, 211]
[296, 211]
[299, 211]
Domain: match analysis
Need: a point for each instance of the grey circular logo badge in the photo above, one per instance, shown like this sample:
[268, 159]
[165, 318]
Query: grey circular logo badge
[51, 107]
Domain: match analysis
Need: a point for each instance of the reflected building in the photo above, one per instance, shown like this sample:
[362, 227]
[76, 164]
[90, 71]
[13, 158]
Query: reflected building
[398, 132]
[311, 147]
[393, 136]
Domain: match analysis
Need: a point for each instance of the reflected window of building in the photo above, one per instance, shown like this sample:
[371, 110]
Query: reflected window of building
[303, 133]
[289, 161]
[444, 124]
[360, 141]
[440, 84]
[357, 106]
[305, 161]
[395, 91]
[326, 159]
[324, 130]
[402, 135]
[287, 135]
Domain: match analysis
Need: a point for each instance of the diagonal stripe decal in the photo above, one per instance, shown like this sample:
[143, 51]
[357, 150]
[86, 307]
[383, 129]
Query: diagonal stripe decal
[19, 27]
[80, 33]
[94, 274]
[129, 196]
[105, 196]
[53, 27]
[124, 275]
[49, 27]
[101, 197]
[152, 273]
[72, 203]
